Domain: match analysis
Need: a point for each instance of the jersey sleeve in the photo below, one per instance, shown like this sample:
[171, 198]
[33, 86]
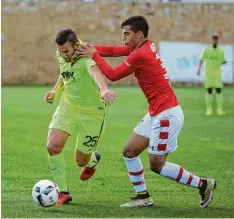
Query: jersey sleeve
[130, 65]
[203, 55]
[113, 51]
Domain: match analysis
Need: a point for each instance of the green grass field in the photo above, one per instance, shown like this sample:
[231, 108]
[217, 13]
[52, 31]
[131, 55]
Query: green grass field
[206, 147]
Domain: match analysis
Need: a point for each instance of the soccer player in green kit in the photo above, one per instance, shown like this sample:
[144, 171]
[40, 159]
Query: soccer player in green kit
[81, 111]
[213, 56]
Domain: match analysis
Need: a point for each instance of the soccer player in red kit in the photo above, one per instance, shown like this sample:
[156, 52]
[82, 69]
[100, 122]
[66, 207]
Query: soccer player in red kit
[160, 127]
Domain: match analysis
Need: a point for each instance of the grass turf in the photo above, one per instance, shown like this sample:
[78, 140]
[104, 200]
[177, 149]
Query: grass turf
[205, 148]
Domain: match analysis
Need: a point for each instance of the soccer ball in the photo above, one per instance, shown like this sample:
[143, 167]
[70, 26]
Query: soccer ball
[45, 193]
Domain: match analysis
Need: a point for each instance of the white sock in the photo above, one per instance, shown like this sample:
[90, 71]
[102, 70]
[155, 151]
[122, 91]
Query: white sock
[177, 173]
[136, 173]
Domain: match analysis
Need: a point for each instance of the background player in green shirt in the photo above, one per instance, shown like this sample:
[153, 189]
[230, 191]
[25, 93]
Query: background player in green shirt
[213, 56]
[81, 111]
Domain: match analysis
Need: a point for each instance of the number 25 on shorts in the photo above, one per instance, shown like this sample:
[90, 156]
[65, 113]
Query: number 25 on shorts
[91, 141]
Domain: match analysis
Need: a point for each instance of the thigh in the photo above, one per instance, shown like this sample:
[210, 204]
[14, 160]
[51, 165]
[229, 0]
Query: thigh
[90, 129]
[135, 145]
[139, 139]
[64, 119]
[57, 135]
[165, 131]
[56, 140]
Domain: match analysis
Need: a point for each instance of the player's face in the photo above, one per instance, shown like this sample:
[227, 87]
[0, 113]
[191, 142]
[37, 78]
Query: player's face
[66, 51]
[215, 39]
[130, 38]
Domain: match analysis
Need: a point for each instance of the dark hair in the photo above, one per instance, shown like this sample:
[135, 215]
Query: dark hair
[66, 35]
[137, 23]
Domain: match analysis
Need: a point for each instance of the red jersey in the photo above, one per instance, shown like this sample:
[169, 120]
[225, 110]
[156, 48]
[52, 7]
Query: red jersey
[147, 67]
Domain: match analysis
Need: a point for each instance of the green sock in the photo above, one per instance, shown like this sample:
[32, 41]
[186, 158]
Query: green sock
[219, 99]
[58, 170]
[92, 162]
[208, 99]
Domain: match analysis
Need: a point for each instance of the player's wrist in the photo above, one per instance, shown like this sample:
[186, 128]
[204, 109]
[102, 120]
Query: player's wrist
[103, 89]
[54, 93]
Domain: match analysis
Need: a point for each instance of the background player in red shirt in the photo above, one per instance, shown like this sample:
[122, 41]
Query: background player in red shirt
[159, 129]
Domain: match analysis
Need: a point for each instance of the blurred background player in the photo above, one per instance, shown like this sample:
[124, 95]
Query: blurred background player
[213, 57]
[81, 111]
[159, 129]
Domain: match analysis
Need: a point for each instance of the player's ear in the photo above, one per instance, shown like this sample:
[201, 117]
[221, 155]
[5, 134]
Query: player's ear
[140, 34]
[76, 46]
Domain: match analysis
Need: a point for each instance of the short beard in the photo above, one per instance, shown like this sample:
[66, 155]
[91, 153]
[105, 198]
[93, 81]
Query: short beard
[215, 45]
[67, 60]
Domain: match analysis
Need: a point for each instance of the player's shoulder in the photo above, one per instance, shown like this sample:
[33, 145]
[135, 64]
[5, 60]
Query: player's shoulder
[84, 62]
[220, 49]
[146, 49]
[147, 46]
[136, 54]
[207, 48]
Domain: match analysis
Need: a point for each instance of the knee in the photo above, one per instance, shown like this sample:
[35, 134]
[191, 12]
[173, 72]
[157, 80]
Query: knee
[209, 90]
[156, 167]
[128, 153]
[54, 148]
[218, 90]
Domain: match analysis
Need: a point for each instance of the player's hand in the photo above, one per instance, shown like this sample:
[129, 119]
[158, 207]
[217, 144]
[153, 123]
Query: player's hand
[49, 97]
[85, 51]
[108, 96]
[198, 71]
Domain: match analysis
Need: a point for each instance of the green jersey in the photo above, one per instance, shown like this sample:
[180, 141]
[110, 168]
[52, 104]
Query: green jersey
[80, 90]
[213, 58]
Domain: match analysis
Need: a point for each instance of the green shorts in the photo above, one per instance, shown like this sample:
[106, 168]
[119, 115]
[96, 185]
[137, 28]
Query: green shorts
[87, 126]
[213, 82]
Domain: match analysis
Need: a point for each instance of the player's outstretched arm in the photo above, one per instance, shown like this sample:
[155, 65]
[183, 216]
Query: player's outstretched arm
[108, 51]
[126, 68]
[113, 51]
[49, 96]
[108, 96]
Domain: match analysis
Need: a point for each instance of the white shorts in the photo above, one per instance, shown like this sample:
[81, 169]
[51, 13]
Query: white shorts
[162, 130]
